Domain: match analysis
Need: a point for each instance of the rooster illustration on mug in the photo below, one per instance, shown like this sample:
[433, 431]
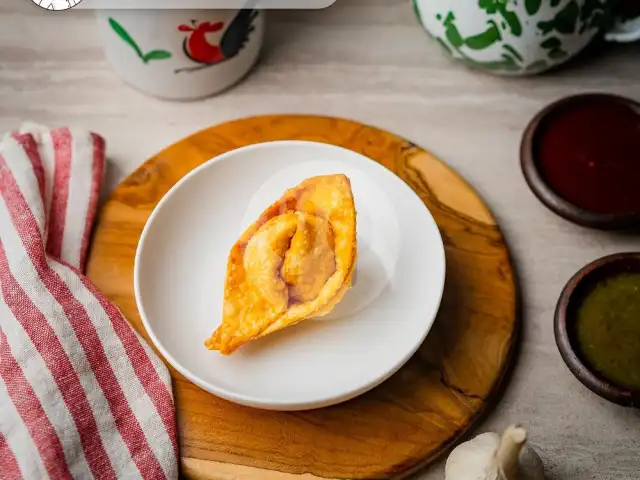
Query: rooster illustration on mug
[198, 48]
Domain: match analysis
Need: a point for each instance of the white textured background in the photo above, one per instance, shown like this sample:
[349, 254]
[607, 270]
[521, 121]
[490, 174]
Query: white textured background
[370, 61]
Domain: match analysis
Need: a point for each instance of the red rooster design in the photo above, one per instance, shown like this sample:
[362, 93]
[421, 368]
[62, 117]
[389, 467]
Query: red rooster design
[197, 47]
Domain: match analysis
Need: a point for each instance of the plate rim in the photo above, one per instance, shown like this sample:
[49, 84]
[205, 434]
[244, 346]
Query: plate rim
[271, 404]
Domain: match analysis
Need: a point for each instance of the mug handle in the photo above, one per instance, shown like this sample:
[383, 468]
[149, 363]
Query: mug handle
[624, 31]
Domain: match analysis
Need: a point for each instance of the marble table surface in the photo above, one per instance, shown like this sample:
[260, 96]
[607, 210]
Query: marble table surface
[368, 60]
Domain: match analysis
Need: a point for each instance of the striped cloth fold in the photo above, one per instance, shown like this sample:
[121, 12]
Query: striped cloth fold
[81, 394]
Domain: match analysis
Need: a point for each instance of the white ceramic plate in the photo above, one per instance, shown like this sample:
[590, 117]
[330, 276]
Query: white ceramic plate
[181, 262]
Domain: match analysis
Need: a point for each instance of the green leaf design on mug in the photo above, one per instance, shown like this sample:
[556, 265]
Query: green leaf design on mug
[532, 6]
[513, 52]
[510, 58]
[127, 38]
[553, 42]
[594, 15]
[157, 55]
[513, 22]
[500, 6]
[452, 33]
[485, 39]
[124, 35]
[490, 6]
[565, 20]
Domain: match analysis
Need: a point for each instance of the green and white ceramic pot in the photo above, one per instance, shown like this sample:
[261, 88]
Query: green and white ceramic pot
[520, 37]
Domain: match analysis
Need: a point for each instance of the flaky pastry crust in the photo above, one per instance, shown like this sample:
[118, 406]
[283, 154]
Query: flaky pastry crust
[294, 263]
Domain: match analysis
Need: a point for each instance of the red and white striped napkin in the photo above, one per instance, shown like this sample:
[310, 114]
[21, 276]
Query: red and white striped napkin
[81, 394]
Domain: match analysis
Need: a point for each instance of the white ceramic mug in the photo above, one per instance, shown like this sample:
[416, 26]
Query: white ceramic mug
[182, 54]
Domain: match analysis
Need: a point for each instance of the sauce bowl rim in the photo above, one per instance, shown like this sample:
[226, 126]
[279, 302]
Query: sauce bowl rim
[547, 195]
[565, 341]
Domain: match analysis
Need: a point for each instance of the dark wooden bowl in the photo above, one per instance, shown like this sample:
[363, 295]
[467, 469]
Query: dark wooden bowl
[564, 325]
[537, 183]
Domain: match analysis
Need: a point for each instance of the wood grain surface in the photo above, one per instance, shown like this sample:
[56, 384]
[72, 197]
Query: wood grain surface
[407, 421]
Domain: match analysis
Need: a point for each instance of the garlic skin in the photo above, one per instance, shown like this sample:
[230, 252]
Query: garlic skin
[490, 456]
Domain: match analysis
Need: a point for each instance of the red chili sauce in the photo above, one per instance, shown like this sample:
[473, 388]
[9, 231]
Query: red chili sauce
[588, 152]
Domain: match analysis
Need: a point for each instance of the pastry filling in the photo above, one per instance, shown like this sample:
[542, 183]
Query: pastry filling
[290, 258]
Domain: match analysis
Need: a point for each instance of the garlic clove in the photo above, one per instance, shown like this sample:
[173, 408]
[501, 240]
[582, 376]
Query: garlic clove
[472, 460]
[490, 456]
[508, 453]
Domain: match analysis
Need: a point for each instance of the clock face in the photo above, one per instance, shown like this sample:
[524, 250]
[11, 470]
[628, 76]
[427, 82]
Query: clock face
[56, 4]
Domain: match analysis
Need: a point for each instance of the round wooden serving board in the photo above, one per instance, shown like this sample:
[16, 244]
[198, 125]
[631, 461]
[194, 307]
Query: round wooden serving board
[399, 426]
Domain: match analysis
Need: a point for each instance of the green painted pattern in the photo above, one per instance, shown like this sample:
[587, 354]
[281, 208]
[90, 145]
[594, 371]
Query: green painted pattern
[485, 39]
[532, 6]
[513, 52]
[501, 7]
[451, 32]
[504, 23]
[565, 21]
[553, 42]
[128, 39]
[592, 15]
[510, 58]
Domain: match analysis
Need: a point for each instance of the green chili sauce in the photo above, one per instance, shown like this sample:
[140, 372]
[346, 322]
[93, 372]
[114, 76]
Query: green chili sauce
[608, 329]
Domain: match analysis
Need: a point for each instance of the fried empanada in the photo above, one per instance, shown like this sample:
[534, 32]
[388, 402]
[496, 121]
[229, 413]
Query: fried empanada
[294, 263]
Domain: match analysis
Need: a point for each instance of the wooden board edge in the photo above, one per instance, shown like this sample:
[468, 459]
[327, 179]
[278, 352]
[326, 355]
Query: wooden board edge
[212, 470]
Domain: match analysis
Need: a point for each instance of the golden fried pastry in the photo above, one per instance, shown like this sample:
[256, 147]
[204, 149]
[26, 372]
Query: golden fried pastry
[294, 263]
